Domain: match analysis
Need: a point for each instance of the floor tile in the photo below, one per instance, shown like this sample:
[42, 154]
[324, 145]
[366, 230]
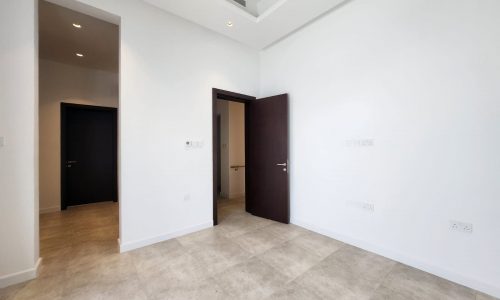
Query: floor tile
[44, 288]
[205, 289]
[294, 291]
[482, 296]
[317, 243]
[349, 273]
[416, 284]
[285, 231]
[10, 292]
[252, 279]
[245, 257]
[258, 241]
[290, 259]
[239, 225]
[219, 256]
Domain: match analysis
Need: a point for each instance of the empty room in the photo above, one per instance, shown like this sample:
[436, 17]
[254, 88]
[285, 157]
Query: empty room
[250, 149]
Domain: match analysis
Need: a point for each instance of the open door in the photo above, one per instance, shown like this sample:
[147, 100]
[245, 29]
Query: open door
[267, 180]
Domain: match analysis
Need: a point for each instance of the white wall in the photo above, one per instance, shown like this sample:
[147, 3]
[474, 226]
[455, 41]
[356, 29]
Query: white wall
[236, 147]
[168, 69]
[18, 156]
[70, 84]
[421, 78]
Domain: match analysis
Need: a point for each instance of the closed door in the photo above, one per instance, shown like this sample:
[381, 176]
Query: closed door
[267, 180]
[89, 154]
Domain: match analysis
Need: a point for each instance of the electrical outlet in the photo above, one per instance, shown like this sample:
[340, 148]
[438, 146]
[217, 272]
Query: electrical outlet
[466, 227]
[360, 143]
[368, 207]
[461, 226]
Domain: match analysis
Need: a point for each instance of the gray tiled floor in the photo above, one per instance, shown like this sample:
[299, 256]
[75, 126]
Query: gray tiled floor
[245, 257]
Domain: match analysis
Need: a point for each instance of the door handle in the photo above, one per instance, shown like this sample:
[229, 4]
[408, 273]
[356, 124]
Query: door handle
[282, 165]
[71, 161]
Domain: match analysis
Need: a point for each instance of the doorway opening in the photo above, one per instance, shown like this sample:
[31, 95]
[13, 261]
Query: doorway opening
[231, 158]
[78, 145]
[250, 156]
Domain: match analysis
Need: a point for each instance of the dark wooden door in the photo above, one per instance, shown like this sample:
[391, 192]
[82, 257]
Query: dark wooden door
[89, 154]
[267, 177]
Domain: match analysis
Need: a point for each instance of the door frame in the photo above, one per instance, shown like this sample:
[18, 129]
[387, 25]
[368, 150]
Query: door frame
[218, 94]
[64, 108]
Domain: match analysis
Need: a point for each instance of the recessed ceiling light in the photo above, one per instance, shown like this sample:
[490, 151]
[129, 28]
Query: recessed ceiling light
[76, 25]
[79, 54]
[229, 24]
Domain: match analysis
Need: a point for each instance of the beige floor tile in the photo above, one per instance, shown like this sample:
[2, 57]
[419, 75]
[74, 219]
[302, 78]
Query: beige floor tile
[187, 268]
[290, 260]
[157, 257]
[258, 241]
[180, 271]
[349, 273]
[317, 244]
[416, 284]
[130, 289]
[43, 288]
[238, 225]
[10, 292]
[245, 257]
[207, 236]
[286, 231]
[294, 291]
[53, 266]
[219, 256]
[82, 281]
[252, 279]
[116, 269]
[206, 289]
[482, 296]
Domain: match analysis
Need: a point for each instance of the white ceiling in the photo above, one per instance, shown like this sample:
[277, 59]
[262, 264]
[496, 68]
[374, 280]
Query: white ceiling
[260, 25]
[60, 41]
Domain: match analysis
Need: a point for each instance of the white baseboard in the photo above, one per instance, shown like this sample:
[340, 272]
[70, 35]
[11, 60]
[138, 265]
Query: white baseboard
[47, 210]
[404, 259]
[128, 246]
[18, 277]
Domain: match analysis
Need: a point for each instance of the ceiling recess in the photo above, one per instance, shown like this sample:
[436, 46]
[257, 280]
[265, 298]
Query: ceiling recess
[241, 2]
[258, 23]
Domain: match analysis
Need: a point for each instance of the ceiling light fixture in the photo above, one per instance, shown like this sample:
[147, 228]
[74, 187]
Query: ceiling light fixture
[76, 25]
[229, 24]
[79, 54]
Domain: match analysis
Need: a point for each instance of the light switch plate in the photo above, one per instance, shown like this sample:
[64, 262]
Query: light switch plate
[193, 144]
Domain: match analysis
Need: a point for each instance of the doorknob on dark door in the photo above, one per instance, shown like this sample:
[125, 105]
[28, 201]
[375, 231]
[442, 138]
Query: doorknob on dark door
[69, 163]
[282, 165]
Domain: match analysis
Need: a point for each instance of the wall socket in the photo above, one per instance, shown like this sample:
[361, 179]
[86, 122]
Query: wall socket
[461, 226]
[368, 207]
[360, 143]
